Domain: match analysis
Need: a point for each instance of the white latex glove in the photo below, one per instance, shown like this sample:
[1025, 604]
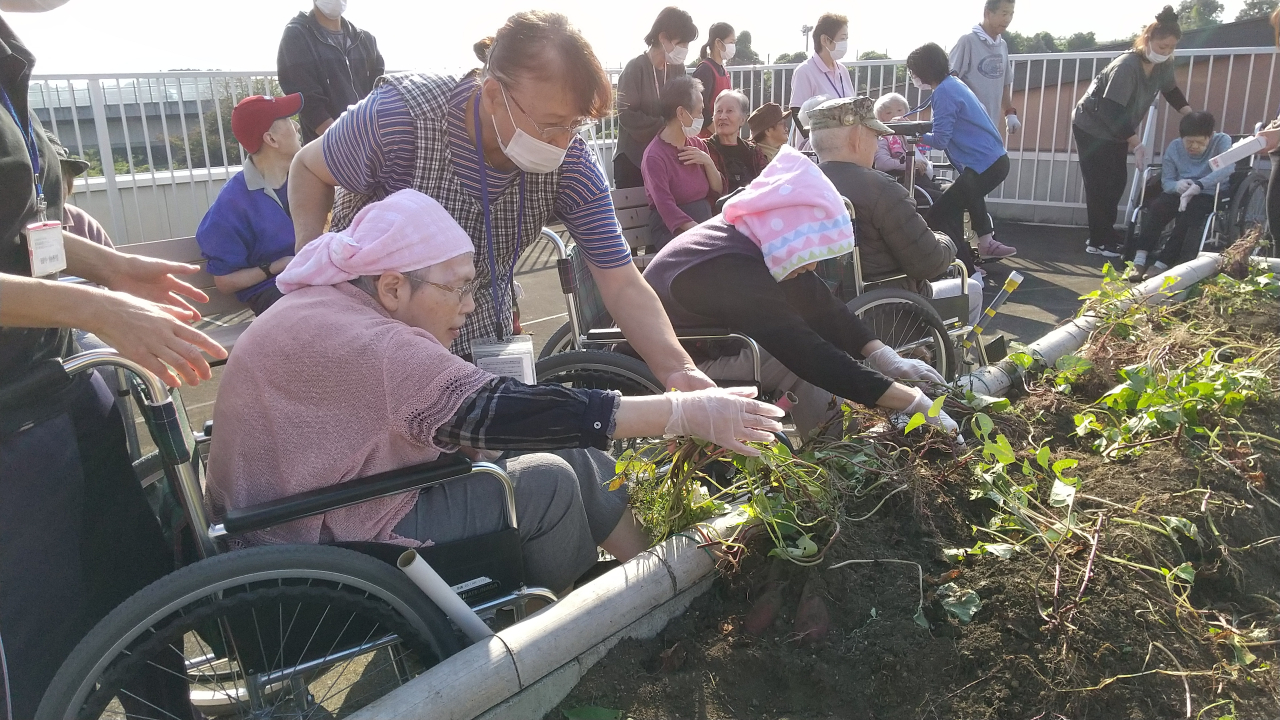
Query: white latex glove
[888, 363]
[1187, 194]
[1013, 124]
[727, 417]
[1182, 185]
[1140, 156]
[922, 404]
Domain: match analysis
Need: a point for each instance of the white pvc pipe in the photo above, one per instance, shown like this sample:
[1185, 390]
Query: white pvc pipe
[996, 379]
[497, 667]
[425, 577]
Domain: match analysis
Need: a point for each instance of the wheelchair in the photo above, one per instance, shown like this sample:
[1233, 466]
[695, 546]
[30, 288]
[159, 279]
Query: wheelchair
[275, 631]
[1228, 221]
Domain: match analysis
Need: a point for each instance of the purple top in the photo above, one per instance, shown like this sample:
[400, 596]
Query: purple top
[373, 144]
[670, 183]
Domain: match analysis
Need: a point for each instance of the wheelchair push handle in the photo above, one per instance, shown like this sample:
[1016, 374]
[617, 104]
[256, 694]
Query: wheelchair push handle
[910, 129]
[157, 393]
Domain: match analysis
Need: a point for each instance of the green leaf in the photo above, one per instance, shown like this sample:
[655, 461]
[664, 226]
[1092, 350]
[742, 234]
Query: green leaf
[592, 712]
[1021, 359]
[954, 555]
[916, 421]
[804, 547]
[964, 604]
[1004, 551]
[1042, 457]
[1178, 524]
[1185, 571]
[936, 407]
[921, 620]
[1062, 466]
[1062, 494]
[983, 425]
[988, 402]
[1244, 658]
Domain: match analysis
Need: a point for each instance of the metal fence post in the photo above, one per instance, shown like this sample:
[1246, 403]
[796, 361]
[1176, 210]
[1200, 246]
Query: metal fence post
[98, 101]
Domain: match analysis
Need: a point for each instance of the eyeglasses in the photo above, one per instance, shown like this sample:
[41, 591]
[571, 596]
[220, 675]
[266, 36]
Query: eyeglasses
[557, 134]
[468, 289]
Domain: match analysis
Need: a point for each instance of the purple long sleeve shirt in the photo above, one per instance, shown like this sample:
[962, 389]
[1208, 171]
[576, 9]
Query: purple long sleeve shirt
[670, 183]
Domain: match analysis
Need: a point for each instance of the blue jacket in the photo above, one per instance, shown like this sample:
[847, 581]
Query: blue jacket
[962, 127]
[246, 227]
[1177, 164]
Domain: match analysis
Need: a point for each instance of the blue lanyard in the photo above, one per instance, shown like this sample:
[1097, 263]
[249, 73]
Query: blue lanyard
[29, 138]
[833, 85]
[488, 229]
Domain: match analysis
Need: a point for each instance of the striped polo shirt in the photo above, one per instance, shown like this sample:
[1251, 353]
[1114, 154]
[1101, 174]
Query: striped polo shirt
[372, 145]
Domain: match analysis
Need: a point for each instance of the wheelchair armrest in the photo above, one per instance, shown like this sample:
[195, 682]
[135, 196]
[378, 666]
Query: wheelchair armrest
[350, 492]
[606, 335]
[910, 128]
[706, 332]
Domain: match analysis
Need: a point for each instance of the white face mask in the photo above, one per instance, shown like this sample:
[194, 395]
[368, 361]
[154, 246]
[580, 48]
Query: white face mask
[1156, 57]
[677, 54]
[30, 5]
[919, 84]
[840, 50]
[729, 50]
[692, 130]
[332, 9]
[527, 152]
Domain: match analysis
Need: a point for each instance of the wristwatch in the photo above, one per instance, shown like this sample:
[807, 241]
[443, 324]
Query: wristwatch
[266, 270]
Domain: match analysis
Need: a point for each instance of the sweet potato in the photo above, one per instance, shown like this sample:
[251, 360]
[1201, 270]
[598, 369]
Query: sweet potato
[765, 610]
[812, 618]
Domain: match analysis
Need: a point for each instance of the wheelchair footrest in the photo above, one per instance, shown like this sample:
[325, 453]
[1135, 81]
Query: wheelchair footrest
[477, 568]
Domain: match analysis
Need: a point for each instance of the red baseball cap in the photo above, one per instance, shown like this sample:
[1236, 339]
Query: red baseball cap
[254, 115]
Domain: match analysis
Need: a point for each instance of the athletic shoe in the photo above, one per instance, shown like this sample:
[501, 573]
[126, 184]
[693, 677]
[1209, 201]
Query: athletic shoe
[1108, 251]
[1137, 274]
[991, 249]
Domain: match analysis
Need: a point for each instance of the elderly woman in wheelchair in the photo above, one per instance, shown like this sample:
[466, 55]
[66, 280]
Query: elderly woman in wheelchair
[750, 270]
[350, 375]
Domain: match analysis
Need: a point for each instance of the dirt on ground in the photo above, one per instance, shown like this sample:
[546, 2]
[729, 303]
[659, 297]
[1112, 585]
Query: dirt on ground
[1101, 625]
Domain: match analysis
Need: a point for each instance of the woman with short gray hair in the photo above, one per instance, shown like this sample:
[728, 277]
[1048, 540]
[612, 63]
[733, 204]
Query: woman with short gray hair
[738, 159]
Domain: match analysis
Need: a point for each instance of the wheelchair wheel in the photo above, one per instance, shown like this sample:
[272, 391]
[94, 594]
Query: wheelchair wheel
[288, 631]
[560, 341]
[599, 370]
[1248, 212]
[905, 322]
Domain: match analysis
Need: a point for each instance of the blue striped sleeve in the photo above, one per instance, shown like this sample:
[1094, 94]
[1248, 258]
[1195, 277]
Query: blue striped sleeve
[586, 207]
[371, 146]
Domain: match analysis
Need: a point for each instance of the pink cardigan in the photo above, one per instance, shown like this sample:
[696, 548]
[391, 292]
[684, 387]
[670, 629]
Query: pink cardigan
[323, 388]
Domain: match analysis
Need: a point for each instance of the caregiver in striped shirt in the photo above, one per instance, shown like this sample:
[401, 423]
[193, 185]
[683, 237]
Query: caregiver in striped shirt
[499, 149]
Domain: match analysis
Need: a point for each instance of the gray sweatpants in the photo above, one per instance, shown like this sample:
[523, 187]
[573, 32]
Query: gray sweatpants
[814, 406]
[563, 507]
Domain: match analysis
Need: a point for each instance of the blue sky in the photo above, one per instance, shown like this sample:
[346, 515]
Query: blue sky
[147, 35]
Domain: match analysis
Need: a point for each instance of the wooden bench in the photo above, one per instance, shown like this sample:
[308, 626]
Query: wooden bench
[632, 208]
[224, 317]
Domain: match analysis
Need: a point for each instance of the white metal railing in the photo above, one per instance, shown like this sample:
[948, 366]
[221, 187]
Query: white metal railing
[161, 144]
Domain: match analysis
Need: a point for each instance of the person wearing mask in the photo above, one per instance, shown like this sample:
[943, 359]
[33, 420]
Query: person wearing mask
[77, 537]
[639, 88]
[710, 72]
[739, 161]
[823, 73]
[679, 174]
[247, 234]
[891, 151]
[350, 375]
[962, 128]
[330, 61]
[750, 269]
[892, 237]
[1105, 123]
[74, 219]
[499, 149]
[981, 60]
[769, 126]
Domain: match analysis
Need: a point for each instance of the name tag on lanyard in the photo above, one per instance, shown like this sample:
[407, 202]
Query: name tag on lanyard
[45, 249]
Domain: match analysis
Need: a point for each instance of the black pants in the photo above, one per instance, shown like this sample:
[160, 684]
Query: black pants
[260, 302]
[626, 174]
[76, 535]
[1188, 225]
[1104, 168]
[968, 192]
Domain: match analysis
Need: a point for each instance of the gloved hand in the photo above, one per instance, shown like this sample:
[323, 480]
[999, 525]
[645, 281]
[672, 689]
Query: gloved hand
[727, 417]
[922, 404]
[1187, 194]
[892, 365]
[1182, 185]
[1012, 123]
[1140, 156]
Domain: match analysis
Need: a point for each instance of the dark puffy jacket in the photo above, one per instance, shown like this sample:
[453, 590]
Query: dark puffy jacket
[329, 79]
[892, 237]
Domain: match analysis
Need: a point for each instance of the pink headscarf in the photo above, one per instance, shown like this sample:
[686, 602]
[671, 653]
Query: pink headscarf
[794, 213]
[403, 232]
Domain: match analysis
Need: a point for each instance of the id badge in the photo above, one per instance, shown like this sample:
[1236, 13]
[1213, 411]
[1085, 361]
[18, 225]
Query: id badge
[45, 249]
